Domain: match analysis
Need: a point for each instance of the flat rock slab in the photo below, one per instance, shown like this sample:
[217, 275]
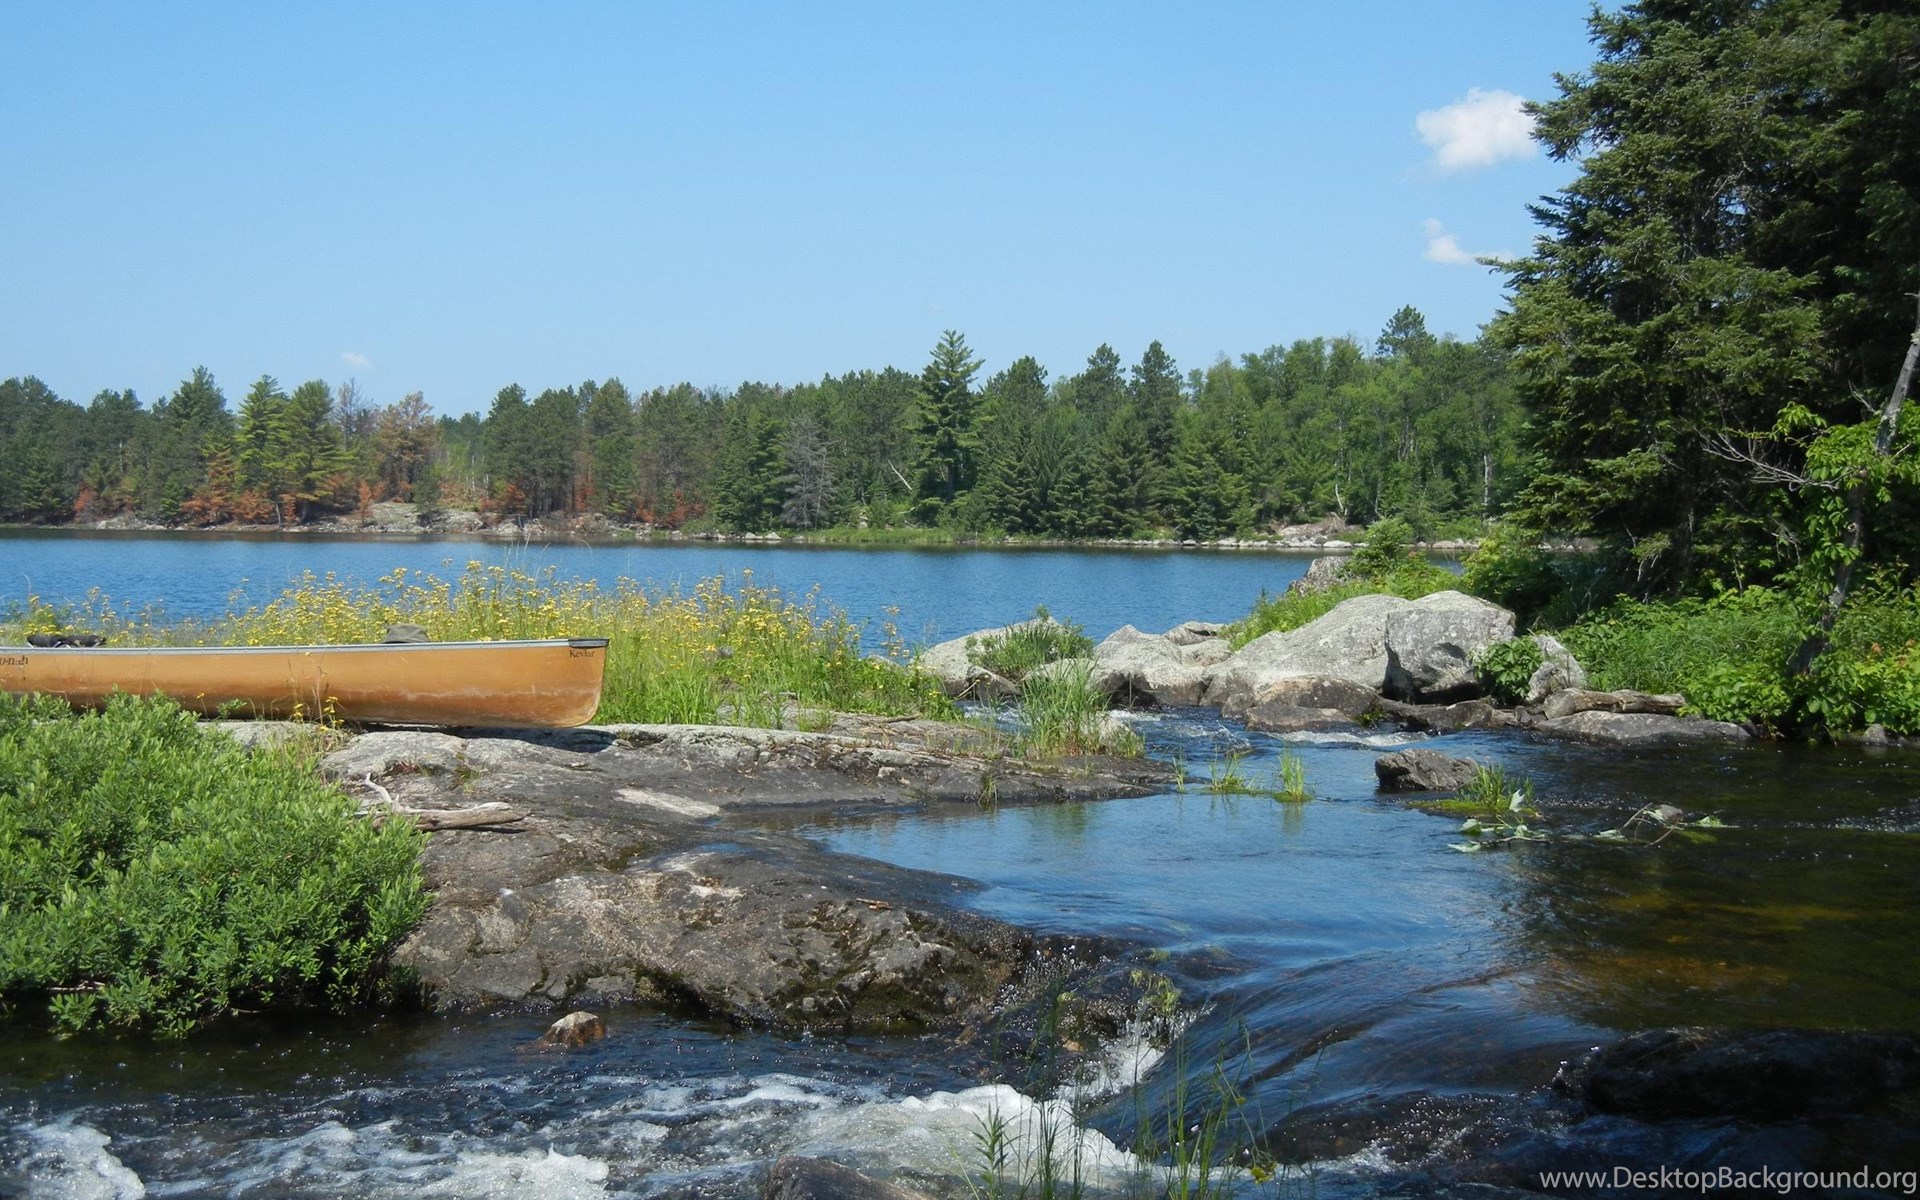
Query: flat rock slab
[642, 873]
[1642, 730]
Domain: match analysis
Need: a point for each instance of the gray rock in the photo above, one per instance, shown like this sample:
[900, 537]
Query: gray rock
[1558, 671]
[1348, 643]
[386, 752]
[1432, 643]
[1323, 574]
[1423, 770]
[1321, 691]
[1275, 717]
[1138, 667]
[1446, 718]
[611, 890]
[1194, 633]
[1642, 730]
[795, 1178]
[1578, 700]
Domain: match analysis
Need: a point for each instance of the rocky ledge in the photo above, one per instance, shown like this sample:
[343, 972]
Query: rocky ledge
[647, 863]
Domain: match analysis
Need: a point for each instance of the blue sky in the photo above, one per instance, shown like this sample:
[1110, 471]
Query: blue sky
[451, 198]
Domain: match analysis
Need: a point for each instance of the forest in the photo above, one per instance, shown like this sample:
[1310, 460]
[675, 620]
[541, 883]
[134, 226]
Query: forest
[1413, 426]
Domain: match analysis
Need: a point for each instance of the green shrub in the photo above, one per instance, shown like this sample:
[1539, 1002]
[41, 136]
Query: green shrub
[1505, 669]
[1729, 657]
[1034, 644]
[155, 875]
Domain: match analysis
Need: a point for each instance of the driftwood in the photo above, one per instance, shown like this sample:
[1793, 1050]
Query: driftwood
[477, 816]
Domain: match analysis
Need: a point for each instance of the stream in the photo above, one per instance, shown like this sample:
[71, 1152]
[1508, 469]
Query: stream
[1335, 956]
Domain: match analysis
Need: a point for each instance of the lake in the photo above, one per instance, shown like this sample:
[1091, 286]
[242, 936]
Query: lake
[931, 594]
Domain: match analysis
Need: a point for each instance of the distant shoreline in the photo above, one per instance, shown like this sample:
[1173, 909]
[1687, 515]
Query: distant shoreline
[468, 526]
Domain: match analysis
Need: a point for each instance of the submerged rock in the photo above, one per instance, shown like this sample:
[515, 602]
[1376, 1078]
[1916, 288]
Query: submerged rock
[1642, 730]
[1423, 770]
[1768, 1075]
[796, 1178]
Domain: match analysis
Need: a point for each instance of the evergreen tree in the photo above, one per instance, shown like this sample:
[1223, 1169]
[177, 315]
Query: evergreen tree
[1736, 248]
[609, 422]
[944, 469]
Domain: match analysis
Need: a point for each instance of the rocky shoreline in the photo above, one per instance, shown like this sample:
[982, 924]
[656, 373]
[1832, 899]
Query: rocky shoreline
[648, 864]
[389, 519]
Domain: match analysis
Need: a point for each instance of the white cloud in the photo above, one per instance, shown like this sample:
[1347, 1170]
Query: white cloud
[355, 359]
[1483, 129]
[1444, 248]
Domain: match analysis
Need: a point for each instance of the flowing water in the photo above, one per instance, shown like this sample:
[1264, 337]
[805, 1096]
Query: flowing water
[1335, 956]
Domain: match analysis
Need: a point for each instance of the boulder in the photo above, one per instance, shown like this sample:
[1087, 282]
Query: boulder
[1766, 1075]
[1320, 691]
[1642, 730]
[1422, 770]
[1323, 574]
[1348, 643]
[1193, 633]
[1136, 667]
[1432, 643]
[574, 1030]
[1578, 700]
[1558, 671]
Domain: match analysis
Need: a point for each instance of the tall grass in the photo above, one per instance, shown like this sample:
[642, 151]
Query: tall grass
[1063, 713]
[741, 655]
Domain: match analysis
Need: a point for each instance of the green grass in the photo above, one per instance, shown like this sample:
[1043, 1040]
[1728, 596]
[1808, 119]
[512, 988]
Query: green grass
[1062, 715]
[1039, 641]
[156, 876]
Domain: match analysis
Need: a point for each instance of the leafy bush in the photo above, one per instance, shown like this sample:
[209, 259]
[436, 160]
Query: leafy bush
[1033, 644]
[155, 875]
[1729, 657]
[1506, 668]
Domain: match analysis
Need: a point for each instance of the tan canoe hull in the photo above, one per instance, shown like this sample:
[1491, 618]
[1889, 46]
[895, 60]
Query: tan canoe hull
[495, 684]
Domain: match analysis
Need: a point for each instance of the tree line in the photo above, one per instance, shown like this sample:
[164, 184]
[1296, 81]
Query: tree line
[1421, 427]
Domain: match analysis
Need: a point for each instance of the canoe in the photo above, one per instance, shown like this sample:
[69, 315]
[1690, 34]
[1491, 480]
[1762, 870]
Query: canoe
[495, 684]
